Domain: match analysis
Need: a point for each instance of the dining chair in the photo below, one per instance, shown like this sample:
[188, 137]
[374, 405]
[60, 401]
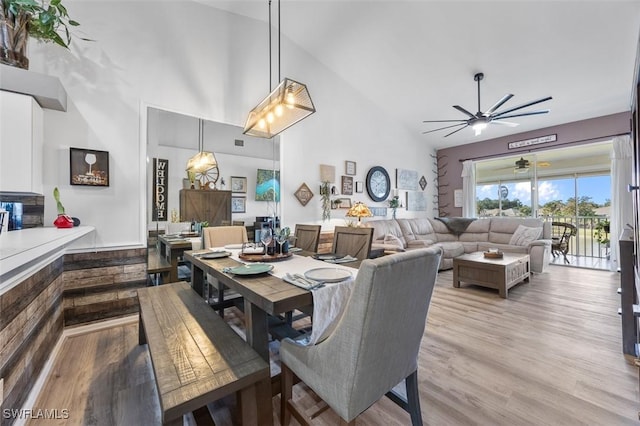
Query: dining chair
[352, 241]
[375, 344]
[220, 236]
[308, 237]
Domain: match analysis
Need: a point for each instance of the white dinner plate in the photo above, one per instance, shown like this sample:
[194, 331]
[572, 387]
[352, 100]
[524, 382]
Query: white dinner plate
[328, 275]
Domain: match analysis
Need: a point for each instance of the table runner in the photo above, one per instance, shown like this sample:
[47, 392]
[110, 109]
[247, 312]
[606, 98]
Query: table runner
[328, 301]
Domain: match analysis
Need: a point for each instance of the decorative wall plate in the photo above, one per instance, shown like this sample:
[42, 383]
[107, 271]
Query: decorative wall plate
[303, 194]
[423, 183]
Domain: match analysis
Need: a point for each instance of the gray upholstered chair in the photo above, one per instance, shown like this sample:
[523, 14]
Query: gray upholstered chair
[352, 241]
[375, 344]
[308, 237]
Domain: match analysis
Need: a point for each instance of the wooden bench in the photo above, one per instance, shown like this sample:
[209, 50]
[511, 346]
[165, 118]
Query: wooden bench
[157, 264]
[197, 358]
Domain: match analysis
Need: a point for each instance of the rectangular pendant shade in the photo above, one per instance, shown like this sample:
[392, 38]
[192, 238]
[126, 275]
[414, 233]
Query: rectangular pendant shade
[287, 104]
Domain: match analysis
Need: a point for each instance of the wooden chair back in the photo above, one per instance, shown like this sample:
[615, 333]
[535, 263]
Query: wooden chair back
[307, 237]
[352, 241]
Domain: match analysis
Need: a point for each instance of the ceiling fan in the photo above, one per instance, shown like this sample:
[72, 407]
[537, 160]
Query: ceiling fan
[480, 120]
[523, 166]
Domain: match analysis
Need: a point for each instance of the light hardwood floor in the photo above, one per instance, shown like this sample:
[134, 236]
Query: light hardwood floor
[550, 354]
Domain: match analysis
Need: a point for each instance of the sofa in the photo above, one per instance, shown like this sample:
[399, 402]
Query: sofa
[512, 235]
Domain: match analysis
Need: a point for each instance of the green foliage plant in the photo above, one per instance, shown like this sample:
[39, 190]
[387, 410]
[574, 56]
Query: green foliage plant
[56, 195]
[44, 20]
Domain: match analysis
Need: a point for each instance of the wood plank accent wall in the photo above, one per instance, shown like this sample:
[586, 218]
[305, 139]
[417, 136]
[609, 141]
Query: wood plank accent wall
[31, 323]
[73, 289]
[32, 207]
[102, 285]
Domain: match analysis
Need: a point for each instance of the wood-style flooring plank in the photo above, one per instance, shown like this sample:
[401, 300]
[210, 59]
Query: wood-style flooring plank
[550, 354]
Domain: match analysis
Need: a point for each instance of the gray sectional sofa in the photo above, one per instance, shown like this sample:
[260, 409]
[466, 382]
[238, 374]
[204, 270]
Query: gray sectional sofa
[479, 235]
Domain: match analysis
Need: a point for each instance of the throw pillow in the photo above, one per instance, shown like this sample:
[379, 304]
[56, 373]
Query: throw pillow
[525, 235]
[391, 239]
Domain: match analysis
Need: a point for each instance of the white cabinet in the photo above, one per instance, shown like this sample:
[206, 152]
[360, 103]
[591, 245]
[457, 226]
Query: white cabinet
[21, 143]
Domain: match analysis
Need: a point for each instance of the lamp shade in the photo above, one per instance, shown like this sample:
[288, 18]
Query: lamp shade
[359, 210]
[201, 162]
[287, 104]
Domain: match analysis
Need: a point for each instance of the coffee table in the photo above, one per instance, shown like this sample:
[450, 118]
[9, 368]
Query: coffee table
[501, 274]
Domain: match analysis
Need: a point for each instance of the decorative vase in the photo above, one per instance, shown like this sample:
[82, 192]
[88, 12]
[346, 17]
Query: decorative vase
[63, 221]
[13, 41]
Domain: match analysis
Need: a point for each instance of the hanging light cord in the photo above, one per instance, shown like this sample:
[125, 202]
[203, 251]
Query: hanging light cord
[279, 32]
[269, 46]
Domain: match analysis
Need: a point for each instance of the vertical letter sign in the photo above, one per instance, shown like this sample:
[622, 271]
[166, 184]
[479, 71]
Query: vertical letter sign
[160, 187]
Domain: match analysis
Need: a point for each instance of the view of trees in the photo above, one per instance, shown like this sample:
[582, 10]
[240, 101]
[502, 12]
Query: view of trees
[586, 207]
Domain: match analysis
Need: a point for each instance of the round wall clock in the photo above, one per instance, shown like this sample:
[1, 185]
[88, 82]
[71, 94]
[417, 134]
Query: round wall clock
[378, 183]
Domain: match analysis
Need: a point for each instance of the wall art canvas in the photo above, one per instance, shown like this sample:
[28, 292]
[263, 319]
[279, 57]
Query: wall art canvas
[160, 189]
[268, 185]
[89, 167]
[416, 201]
[407, 179]
[378, 211]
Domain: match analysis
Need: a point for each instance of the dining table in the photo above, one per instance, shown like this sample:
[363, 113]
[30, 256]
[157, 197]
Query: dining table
[172, 247]
[264, 295]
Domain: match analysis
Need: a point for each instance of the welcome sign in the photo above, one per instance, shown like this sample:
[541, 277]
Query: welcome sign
[160, 188]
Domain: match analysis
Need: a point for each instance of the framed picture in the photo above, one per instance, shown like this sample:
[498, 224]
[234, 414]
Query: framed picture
[238, 184]
[347, 185]
[343, 203]
[407, 179]
[238, 204]
[303, 194]
[359, 187]
[89, 167]
[378, 211]
[350, 168]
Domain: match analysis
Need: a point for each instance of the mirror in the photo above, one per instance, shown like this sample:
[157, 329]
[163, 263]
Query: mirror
[175, 137]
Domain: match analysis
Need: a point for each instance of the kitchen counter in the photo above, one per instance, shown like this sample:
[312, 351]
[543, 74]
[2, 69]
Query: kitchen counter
[26, 251]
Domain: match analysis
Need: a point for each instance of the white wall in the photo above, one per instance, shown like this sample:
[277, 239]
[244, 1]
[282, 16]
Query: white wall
[213, 67]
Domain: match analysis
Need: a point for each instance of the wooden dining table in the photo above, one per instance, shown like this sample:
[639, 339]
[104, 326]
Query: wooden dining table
[172, 248]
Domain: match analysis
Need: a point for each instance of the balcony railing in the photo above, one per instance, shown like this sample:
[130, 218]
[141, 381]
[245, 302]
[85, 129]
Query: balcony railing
[585, 243]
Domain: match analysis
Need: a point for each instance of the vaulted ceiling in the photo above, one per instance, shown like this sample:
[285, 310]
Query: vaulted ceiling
[416, 59]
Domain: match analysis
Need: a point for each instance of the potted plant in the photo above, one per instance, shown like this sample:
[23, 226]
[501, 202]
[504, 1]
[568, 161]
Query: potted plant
[394, 203]
[43, 20]
[325, 196]
[601, 233]
[62, 221]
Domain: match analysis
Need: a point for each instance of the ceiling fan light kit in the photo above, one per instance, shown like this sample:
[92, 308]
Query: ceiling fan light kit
[480, 120]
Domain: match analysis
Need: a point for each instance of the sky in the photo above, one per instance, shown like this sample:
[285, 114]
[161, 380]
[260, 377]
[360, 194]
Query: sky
[596, 187]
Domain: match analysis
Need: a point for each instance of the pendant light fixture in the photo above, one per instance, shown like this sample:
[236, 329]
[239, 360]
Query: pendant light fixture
[287, 104]
[204, 164]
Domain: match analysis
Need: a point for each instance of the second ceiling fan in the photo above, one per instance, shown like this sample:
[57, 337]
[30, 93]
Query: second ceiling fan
[480, 120]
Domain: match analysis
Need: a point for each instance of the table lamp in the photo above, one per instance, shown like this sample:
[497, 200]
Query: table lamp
[359, 210]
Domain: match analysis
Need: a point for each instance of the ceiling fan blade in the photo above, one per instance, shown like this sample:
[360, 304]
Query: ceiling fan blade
[504, 123]
[447, 127]
[445, 121]
[523, 114]
[449, 134]
[522, 106]
[464, 111]
[498, 104]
